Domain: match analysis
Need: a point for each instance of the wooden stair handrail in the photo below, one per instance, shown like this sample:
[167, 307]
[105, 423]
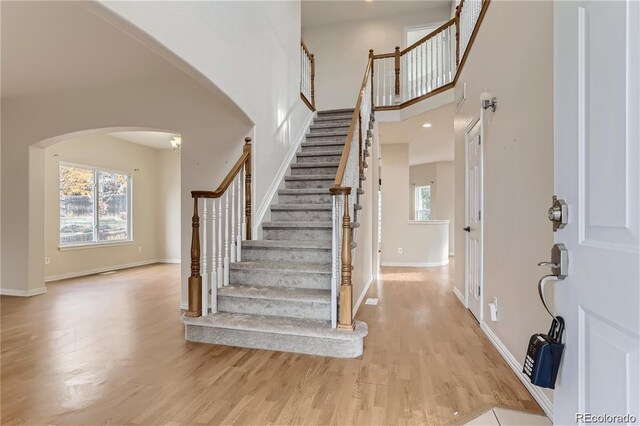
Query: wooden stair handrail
[244, 160]
[245, 157]
[429, 36]
[337, 183]
[460, 61]
[311, 103]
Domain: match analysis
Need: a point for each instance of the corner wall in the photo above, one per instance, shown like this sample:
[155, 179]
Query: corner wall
[142, 162]
[251, 51]
[422, 243]
[512, 58]
[440, 175]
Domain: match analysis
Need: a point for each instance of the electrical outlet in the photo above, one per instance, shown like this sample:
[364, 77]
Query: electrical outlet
[399, 250]
[47, 261]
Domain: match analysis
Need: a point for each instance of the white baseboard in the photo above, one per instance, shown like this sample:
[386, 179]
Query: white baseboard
[279, 177]
[23, 293]
[362, 296]
[415, 264]
[169, 261]
[59, 277]
[536, 392]
[459, 296]
[184, 306]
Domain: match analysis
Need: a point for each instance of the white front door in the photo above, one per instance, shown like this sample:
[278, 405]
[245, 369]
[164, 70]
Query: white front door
[474, 220]
[597, 51]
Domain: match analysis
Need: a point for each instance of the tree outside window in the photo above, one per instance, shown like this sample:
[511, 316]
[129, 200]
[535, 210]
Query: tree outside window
[95, 205]
[423, 203]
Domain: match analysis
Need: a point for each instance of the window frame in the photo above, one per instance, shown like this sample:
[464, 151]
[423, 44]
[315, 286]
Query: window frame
[416, 198]
[95, 243]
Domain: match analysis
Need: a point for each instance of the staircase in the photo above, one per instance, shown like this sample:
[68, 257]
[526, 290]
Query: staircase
[279, 294]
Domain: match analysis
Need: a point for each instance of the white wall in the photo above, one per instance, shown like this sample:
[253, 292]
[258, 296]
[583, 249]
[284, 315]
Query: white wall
[422, 245]
[518, 163]
[440, 175]
[365, 255]
[151, 196]
[168, 206]
[342, 50]
[249, 50]
[211, 128]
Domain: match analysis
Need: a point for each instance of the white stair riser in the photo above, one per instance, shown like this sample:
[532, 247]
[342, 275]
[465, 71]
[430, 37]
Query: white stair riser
[297, 234]
[275, 342]
[279, 308]
[300, 215]
[281, 278]
[314, 256]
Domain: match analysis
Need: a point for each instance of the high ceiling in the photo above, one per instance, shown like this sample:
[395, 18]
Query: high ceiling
[42, 41]
[426, 145]
[324, 12]
[158, 140]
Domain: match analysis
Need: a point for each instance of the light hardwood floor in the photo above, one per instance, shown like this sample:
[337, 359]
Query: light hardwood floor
[111, 350]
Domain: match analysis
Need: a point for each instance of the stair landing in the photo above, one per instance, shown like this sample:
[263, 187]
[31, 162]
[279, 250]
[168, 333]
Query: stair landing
[312, 337]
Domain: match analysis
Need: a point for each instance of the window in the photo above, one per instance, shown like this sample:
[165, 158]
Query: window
[423, 203]
[95, 206]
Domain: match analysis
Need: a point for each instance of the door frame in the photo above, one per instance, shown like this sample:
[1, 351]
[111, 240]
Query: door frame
[478, 119]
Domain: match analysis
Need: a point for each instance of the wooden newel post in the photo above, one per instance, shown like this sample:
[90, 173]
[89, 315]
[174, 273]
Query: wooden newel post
[313, 79]
[195, 280]
[247, 186]
[346, 291]
[397, 69]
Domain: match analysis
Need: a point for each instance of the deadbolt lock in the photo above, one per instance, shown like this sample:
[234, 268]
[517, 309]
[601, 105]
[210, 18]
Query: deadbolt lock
[558, 213]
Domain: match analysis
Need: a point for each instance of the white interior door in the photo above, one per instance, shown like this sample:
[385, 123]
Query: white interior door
[474, 219]
[597, 47]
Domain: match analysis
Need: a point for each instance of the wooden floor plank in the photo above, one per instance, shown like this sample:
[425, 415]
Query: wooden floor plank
[111, 350]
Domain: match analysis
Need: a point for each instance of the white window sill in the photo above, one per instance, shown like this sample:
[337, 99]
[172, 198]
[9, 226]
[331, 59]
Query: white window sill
[95, 245]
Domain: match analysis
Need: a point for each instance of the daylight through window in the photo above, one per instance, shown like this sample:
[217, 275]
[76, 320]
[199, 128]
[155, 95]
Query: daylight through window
[95, 205]
[423, 203]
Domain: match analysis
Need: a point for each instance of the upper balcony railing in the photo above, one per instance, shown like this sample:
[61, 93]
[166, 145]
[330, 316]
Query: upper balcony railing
[307, 76]
[430, 65]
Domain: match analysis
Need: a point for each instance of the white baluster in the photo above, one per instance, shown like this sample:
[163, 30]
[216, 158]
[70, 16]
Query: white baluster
[220, 274]
[232, 243]
[244, 202]
[334, 262]
[226, 238]
[205, 274]
[239, 230]
[214, 272]
[384, 80]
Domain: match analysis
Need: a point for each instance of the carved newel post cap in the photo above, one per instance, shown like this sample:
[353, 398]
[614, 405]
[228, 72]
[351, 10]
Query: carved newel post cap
[247, 139]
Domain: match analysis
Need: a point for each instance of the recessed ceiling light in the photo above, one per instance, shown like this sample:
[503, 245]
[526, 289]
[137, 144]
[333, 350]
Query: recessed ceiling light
[426, 125]
[368, 1]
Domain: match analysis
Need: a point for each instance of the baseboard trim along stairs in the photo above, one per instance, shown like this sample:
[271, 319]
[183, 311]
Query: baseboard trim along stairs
[279, 294]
